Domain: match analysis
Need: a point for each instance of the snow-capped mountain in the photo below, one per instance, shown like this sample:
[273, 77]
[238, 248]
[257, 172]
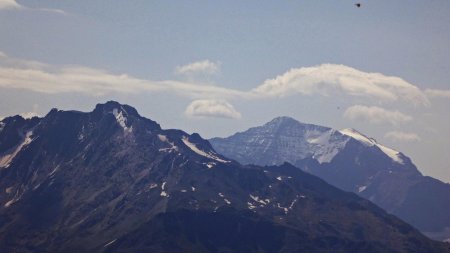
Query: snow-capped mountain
[351, 161]
[113, 181]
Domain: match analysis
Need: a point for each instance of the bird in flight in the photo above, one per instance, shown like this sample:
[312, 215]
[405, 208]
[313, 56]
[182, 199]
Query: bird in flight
[358, 5]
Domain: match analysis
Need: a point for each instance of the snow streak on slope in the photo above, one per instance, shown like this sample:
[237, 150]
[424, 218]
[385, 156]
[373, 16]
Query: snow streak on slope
[325, 146]
[194, 148]
[172, 147]
[6, 160]
[393, 154]
[122, 120]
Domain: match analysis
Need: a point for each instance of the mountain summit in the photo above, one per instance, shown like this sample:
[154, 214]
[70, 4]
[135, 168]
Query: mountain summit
[113, 181]
[351, 161]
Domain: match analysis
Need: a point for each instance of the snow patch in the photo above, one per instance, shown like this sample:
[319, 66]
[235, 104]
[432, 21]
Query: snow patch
[257, 199]
[193, 188]
[52, 173]
[194, 148]
[172, 146]
[163, 192]
[358, 136]
[109, 243]
[224, 199]
[122, 120]
[293, 203]
[9, 203]
[210, 165]
[6, 160]
[362, 188]
[153, 185]
[9, 190]
[393, 154]
[183, 190]
[279, 179]
[325, 146]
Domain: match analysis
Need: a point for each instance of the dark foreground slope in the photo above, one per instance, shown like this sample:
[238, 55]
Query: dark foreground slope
[113, 181]
[352, 162]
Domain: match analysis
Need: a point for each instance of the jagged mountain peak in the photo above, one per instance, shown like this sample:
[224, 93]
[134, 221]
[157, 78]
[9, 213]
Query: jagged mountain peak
[351, 161]
[283, 119]
[80, 184]
[116, 107]
[282, 122]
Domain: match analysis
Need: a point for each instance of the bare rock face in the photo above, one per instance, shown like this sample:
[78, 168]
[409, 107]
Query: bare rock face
[113, 181]
[352, 162]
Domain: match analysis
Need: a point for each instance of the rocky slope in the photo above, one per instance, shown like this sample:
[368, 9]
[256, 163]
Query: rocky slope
[113, 181]
[350, 161]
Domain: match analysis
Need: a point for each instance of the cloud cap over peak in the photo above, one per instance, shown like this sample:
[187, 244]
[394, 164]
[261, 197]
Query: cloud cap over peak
[329, 79]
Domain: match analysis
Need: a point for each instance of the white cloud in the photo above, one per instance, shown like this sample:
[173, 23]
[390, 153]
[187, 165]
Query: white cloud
[40, 77]
[332, 79]
[9, 4]
[320, 80]
[438, 93]
[13, 5]
[205, 67]
[402, 136]
[212, 108]
[376, 115]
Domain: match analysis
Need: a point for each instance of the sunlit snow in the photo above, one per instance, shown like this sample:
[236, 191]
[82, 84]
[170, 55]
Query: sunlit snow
[194, 148]
[6, 160]
[393, 154]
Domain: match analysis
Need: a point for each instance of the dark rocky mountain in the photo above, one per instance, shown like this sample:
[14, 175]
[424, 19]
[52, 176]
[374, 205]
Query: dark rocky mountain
[350, 161]
[113, 181]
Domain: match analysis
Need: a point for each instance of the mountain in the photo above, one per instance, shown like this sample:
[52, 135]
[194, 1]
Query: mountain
[111, 180]
[352, 162]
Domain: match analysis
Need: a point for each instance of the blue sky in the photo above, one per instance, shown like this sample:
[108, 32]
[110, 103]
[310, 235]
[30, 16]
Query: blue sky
[217, 67]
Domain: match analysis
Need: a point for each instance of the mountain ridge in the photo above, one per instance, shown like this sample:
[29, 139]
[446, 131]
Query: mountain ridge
[357, 163]
[112, 181]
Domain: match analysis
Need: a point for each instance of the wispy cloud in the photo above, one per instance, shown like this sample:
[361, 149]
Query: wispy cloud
[332, 79]
[212, 108]
[376, 115]
[399, 136]
[13, 5]
[205, 67]
[40, 77]
[435, 93]
[323, 80]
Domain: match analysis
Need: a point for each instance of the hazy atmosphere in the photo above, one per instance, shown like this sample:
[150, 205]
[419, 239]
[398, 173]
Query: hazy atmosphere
[218, 67]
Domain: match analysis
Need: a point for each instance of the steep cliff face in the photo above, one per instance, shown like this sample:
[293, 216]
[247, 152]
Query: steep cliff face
[113, 181]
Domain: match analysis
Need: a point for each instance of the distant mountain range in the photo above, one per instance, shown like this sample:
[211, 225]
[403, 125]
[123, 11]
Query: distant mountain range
[352, 162]
[112, 181]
